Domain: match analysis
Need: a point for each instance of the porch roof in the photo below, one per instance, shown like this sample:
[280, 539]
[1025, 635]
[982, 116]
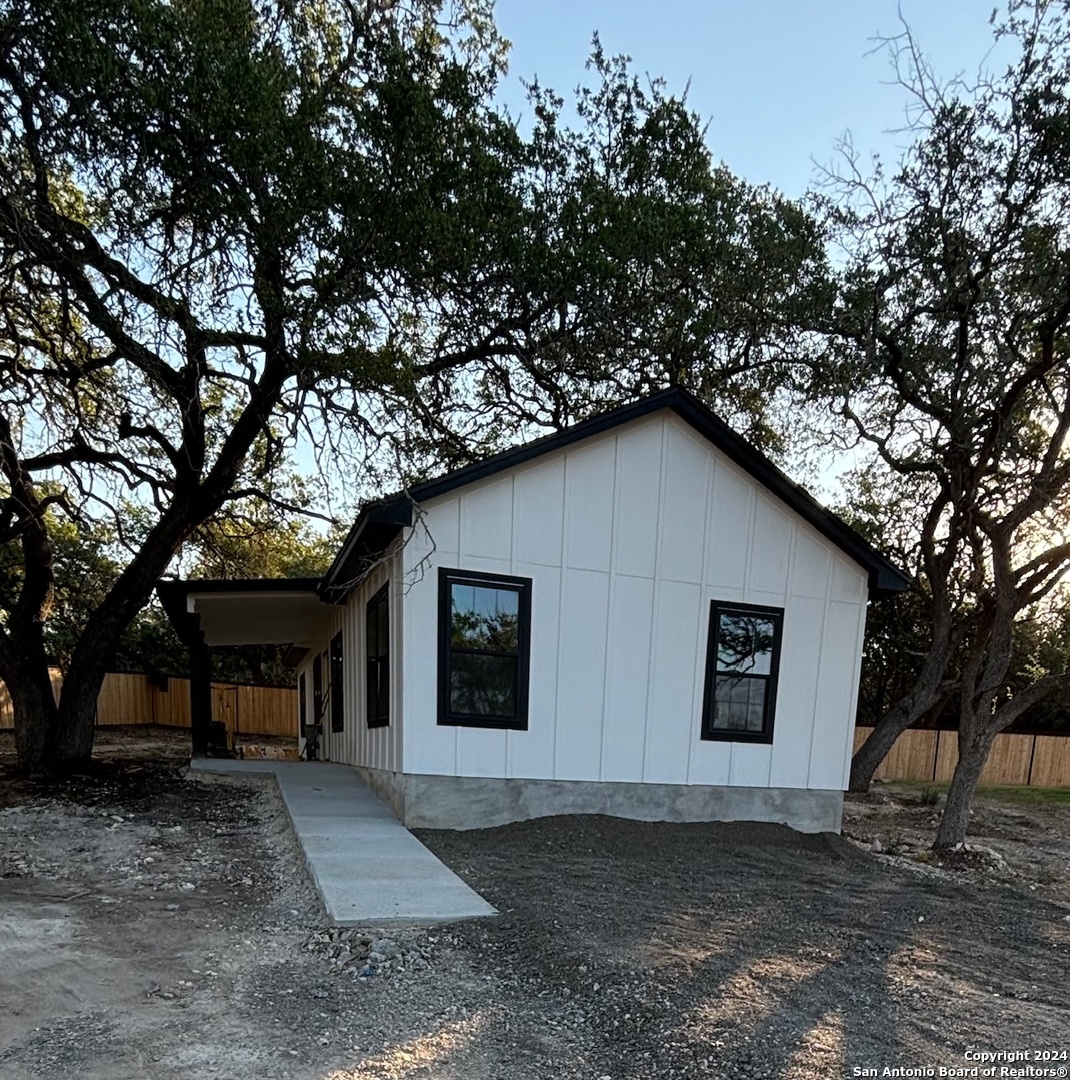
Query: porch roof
[245, 611]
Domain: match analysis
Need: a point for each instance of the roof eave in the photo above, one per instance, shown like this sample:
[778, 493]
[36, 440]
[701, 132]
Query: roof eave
[376, 527]
[381, 521]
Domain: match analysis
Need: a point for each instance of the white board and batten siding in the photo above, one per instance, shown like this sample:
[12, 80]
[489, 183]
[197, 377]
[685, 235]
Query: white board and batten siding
[357, 744]
[627, 537]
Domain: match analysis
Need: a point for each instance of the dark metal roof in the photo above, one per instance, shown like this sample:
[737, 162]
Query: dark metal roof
[379, 522]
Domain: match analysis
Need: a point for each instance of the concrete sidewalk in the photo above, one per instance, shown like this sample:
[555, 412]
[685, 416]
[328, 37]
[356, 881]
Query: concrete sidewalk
[367, 866]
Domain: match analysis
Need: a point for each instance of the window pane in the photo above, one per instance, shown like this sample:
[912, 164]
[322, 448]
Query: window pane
[378, 690]
[739, 704]
[383, 710]
[483, 685]
[384, 626]
[484, 617]
[371, 629]
[745, 643]
[377, 627]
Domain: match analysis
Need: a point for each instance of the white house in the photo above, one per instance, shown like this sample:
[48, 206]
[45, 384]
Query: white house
[638, 616]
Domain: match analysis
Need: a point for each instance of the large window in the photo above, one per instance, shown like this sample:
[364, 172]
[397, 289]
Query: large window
[484, 642]
[338, 698]
[377, 649]
[741, 672]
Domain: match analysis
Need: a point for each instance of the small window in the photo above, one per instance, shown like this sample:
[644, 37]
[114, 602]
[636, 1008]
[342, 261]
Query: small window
[742, 662]
[484, 641]
[377, 650]
[338, 698]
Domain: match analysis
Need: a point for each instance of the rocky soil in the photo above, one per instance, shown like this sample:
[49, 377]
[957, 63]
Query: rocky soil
[157, 925]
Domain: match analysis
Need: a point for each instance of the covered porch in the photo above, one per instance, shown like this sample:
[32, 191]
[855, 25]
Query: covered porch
[215, 613]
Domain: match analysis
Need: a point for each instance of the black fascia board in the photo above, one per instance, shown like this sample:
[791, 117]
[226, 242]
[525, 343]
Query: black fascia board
[884, 576]
[376, 526]
[396, 511]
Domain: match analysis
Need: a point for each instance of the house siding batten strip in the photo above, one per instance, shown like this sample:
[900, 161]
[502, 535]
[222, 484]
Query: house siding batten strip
[849, 741]
[735, 760]
[652, 653]
[561, 589]
[701, 630]
[610, 608]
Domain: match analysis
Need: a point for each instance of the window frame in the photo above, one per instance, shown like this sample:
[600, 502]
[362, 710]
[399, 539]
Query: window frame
[371, 716]
[447, 577]
[336, 693]
[709, 702]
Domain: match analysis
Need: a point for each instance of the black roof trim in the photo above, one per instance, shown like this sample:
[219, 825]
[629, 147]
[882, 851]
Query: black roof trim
[376, 526]
[386, 518]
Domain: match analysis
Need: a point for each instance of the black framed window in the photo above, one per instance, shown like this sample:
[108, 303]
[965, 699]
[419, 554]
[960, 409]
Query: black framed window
[377, 651]
[302, 701]
[338, 697]
[484, 649]
[742, 664]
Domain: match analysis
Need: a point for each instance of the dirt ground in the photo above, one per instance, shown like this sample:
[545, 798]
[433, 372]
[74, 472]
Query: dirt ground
[158, 925]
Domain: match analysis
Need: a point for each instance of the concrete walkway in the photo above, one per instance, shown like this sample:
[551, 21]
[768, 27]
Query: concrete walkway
[367, 866]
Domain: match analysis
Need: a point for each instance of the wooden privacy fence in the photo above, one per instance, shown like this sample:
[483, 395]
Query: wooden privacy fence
[1035, 760]
[138, 699]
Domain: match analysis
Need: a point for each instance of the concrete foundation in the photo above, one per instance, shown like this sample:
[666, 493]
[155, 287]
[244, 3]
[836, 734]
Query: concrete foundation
[476, 802]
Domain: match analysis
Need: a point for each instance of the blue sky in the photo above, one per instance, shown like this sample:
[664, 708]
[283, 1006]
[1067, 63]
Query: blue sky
[778, 80]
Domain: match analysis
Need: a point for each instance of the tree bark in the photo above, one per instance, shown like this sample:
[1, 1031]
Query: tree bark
[76, 719]
[955, 820]
[926, 692]
[35, 712]
[984, 672]
[95, 649]
[876, 748]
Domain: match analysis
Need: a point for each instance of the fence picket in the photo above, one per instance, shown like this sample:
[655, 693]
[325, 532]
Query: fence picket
[137, 699]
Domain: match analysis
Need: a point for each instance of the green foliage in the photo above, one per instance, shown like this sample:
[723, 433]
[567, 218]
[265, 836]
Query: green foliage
[237, 229]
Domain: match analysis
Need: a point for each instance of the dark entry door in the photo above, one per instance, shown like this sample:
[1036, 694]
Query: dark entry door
[317, 692]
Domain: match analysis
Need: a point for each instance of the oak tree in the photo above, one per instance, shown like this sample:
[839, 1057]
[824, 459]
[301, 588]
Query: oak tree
[230, 228]
[948, 352]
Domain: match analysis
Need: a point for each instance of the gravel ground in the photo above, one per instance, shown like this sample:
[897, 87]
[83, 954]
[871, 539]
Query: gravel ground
[152, 924]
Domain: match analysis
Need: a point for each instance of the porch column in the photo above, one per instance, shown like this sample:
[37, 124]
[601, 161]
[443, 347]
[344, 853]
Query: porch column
[200, 688]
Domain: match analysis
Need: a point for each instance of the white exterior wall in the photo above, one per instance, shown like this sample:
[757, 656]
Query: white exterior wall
[375, 748]
[627, 537]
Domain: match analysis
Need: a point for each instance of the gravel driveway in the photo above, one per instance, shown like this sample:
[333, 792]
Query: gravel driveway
[156, 925]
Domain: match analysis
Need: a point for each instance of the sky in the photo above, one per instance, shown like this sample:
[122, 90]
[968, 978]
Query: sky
[779, 81]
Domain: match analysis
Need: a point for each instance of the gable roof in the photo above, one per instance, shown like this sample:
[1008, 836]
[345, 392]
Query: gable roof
[379, 522]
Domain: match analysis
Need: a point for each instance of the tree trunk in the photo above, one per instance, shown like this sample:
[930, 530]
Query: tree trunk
[77, 718]
[95, 649]
[955, 821]
[35, 712]
[927, 691]
[875, 749]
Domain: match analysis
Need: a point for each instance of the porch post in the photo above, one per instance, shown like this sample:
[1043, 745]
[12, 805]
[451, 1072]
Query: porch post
[200, 688]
